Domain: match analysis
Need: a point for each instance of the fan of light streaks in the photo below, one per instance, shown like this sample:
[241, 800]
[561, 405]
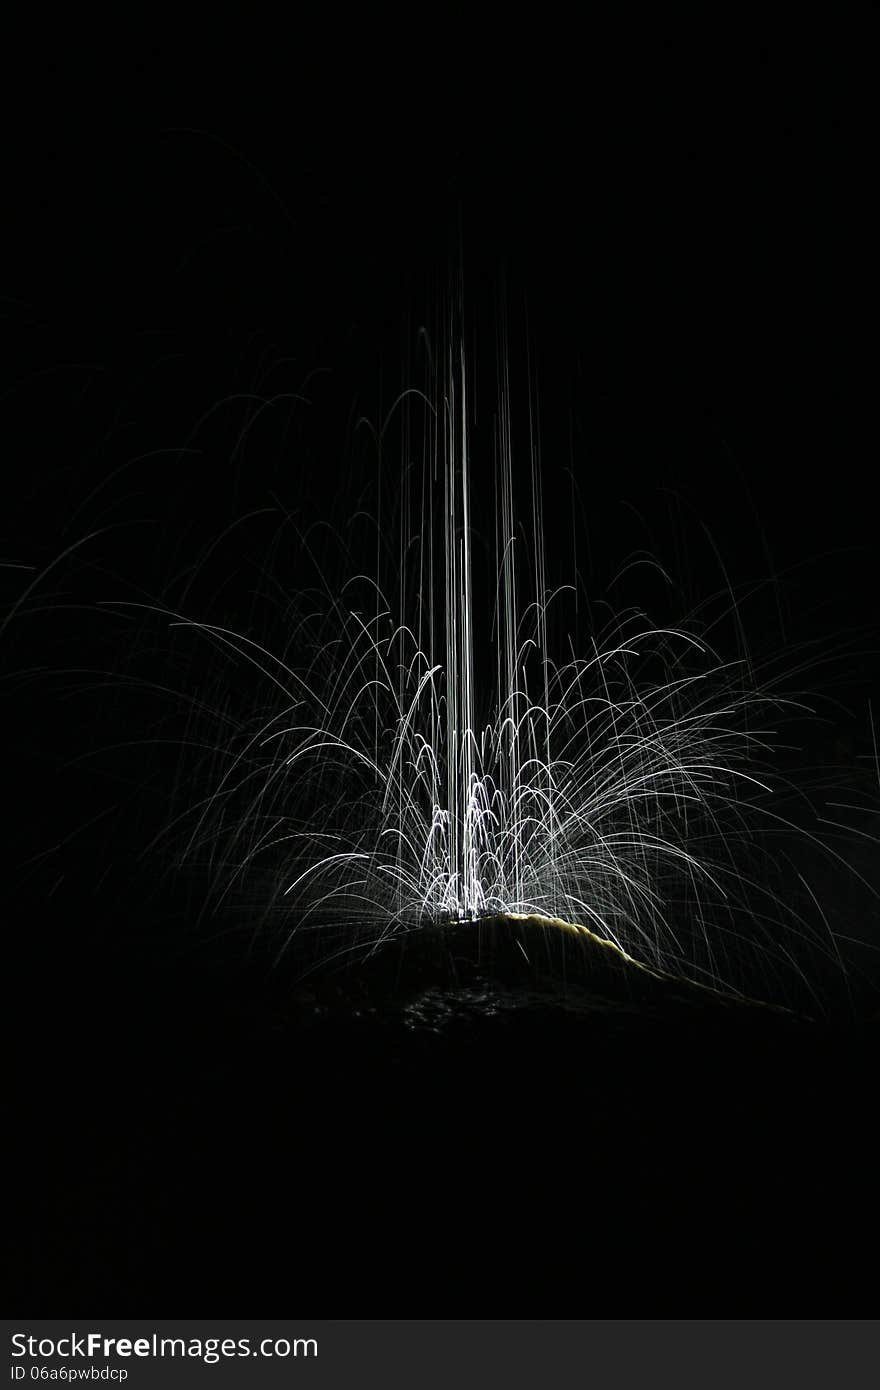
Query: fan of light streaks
[409, 775]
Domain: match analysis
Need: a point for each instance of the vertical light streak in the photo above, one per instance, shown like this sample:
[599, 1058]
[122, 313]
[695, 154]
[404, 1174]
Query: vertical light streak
[576, 789]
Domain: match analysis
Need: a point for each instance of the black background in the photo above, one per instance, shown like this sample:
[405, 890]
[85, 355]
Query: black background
[689, 230]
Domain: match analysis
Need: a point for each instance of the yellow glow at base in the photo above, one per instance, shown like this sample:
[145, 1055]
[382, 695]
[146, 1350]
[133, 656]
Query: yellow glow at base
[623, 957]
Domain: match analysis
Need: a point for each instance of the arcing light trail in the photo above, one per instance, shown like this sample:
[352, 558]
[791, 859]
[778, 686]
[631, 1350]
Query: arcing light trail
[616, 791]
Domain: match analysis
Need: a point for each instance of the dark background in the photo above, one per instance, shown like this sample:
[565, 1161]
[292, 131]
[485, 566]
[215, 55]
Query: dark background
[689, 239]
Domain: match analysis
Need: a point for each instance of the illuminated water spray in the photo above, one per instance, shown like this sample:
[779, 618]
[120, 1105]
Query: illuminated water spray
[430, 760]
[495, 778]
[463, 896]
[500, 793]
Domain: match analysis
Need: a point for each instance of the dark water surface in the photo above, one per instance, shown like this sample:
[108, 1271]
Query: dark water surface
[439, 1131]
